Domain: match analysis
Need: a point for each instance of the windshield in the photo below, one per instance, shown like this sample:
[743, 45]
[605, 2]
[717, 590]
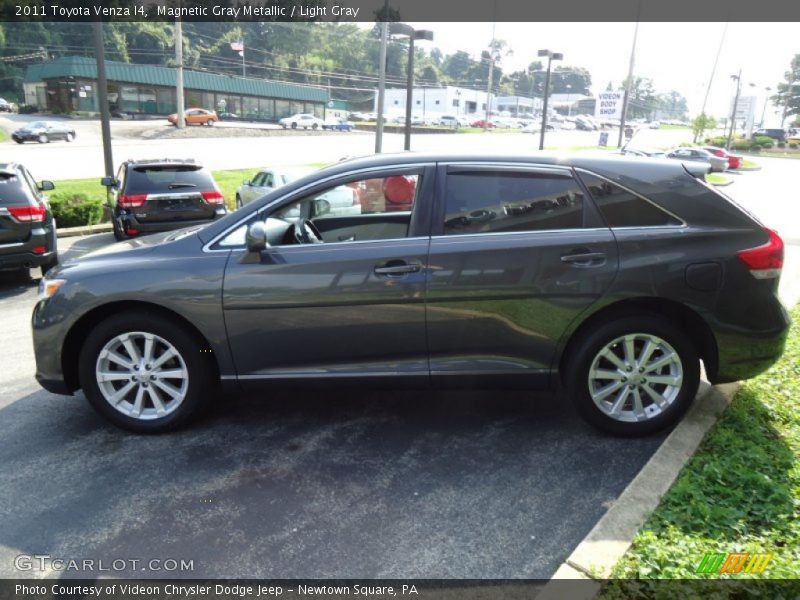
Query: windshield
[37, 125]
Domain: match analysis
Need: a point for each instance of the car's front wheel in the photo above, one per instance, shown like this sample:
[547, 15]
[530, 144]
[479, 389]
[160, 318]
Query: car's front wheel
[69, 137]
[633, 375]
[239, 203]
[143, 372]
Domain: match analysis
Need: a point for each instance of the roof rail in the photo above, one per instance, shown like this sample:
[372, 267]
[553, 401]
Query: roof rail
[161, 160]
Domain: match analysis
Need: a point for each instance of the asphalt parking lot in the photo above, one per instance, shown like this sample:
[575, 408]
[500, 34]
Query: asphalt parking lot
[325, 483]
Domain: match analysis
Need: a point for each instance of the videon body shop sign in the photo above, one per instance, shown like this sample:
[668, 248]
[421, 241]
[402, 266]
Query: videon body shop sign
[608, 105]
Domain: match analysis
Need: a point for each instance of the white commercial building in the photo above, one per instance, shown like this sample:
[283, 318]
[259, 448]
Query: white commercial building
[430, 102]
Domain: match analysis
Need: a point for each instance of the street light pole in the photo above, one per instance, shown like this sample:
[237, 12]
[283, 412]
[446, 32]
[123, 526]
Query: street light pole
[179, 121]
[767, 90]
[381, 85]
[551, 56]
[102, 99]
[629, 83]
[422, 34]
[738, 79]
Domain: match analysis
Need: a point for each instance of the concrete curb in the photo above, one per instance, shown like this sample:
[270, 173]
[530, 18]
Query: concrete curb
[604, 545]
[85, 230]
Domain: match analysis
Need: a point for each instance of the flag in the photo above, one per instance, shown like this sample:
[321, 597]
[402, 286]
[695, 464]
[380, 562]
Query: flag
[237, 47]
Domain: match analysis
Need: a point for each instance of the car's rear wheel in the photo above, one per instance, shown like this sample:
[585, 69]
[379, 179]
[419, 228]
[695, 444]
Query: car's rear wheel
[294, 125]
[210, 122]
[633, 375]
[43, 139]
[143, 372]
[314, 126]
[69, 137]
[19, 141]
[239, 203]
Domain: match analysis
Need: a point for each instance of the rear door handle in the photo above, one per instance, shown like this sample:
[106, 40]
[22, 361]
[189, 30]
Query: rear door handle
[584, 259]
[397, 268]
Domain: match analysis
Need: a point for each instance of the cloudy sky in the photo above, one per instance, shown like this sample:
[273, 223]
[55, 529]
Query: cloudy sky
[676, 56]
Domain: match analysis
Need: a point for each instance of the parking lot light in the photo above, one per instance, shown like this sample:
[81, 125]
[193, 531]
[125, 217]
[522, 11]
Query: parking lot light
[551, 56]
[413, 34]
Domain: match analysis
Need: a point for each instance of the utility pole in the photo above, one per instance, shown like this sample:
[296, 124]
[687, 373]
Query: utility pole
[713, 72]
[629, 83]
[382, 82]
[180, 121]
[738, 79]
[102, 99]
[491, 76]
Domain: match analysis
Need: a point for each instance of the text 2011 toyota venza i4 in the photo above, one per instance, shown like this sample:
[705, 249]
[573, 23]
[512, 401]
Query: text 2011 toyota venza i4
[607, 278]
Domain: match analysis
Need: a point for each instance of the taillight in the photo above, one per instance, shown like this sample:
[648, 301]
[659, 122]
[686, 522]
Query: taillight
[764, 262]
[39, 249]
[28, 214]
[132, 200]
[213, 197]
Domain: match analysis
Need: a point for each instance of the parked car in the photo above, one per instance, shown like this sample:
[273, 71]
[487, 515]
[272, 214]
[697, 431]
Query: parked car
[654, 125]
[27, 226]
[43, 132]
[734, 160]
[304, 120]
[195, 116]
[282, 292]
[5, 106]
[358, 116]
[338, 124]
[162, 195]
[480, 123]
[776, 134]
[452, 121]
[264, 182]
[716, 163]
[228, 116]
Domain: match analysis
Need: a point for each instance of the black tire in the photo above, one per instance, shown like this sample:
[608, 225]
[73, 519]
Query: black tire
[200, 379]
[69, 137]
[314, 126]
[119, 235]
[49, 264]
[20, 141]
[294, 125]
[239, 203]
[593, 340]
[210, 122]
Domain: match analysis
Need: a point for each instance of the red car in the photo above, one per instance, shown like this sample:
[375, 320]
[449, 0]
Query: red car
[489, 124]
[734, 160]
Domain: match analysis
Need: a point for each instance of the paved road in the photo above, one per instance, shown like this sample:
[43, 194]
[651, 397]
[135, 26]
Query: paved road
[318, 484]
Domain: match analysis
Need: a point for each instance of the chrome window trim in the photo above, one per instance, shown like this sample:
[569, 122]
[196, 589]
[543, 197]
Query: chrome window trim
[298, 192]
[453, 236]
[681, 224]
[342, 243]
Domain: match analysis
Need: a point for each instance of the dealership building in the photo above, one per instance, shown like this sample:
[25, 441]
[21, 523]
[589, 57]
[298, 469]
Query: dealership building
[433, 102]
[69, 84]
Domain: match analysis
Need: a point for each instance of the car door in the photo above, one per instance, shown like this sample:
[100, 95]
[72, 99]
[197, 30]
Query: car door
[517, 253]
[254, 190]
[350, 307]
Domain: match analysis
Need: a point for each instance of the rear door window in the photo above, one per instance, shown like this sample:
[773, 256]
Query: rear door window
[507, 201]
[168, 179]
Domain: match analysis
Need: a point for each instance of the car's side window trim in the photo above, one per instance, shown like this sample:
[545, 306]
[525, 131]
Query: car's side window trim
[418, 226]
[681, 222]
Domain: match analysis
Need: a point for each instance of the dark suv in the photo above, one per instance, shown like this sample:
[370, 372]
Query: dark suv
[776, 134]
[162, 195]
[609, 278]
[27, 227]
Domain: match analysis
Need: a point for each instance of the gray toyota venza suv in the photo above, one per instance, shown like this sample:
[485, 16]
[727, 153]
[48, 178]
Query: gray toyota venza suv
[607, 278]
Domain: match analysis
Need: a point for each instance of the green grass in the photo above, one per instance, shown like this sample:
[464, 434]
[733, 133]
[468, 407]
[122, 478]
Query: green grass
[740, 492]
[227, 180]
[666, 126]
[718, 179]
[749, 164]
[3, 135]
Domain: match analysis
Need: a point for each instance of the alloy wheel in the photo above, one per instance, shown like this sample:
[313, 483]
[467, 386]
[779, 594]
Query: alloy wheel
[142, 375]
[635, 377]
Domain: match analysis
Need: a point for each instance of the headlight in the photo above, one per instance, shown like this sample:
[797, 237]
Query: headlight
[48, 287]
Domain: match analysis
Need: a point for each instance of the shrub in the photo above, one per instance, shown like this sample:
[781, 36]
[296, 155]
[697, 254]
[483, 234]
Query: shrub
[27, 109]
[793, 145]
[741, 145]
[762, 139]
[755, 148]
[781, 144]
[717, 141]
[766, 145]
[75, 210]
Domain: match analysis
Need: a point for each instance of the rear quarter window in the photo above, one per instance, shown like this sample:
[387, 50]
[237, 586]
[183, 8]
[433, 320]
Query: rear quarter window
[622, 208]
[168, 179]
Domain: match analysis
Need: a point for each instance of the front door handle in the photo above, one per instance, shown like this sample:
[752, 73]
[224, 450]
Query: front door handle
[397, 268]
[584, 259]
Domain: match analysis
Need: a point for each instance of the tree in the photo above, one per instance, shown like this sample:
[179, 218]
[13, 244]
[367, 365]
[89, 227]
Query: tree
[578, 79]
[642, 99]
[788, 91]
[701, 124]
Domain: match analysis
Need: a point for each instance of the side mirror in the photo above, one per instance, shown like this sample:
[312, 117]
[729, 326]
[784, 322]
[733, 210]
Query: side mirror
[256, 238]
[46, 186]
[109, 182]
[248, 182]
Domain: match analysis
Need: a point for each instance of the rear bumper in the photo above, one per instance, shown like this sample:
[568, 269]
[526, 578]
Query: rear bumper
[130, 222]
[745, 355]
[21, 260]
